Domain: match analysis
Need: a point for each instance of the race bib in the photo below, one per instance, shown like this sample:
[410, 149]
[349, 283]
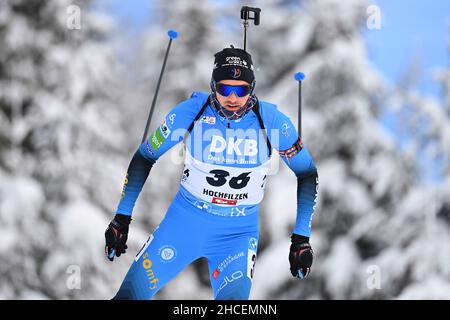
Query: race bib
[224, 185]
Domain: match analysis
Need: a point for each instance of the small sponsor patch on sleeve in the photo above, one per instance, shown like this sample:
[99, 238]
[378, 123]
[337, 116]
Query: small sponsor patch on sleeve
[159, 136]
[156, 140]
[208, 119]
[165, 131]
[124, 186]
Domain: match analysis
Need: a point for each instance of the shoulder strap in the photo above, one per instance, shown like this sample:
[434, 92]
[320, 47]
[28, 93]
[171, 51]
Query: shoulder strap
[196, 118]
[261, 124]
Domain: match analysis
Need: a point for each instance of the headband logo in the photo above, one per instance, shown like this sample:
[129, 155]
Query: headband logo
[236, 73]
[235, 61]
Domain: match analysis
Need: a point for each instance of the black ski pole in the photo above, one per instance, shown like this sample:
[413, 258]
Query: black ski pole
[172, 35]
[299, 76]
[245, 15]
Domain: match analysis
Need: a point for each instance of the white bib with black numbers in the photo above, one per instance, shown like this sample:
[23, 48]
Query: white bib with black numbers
[224, 185]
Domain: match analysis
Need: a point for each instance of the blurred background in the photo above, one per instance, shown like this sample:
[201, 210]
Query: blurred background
[76, 82]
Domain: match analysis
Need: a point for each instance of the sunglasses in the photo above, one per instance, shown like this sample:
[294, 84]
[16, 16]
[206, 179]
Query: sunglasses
[240, 91]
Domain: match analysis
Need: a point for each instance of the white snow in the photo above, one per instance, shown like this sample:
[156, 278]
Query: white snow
[73, 104]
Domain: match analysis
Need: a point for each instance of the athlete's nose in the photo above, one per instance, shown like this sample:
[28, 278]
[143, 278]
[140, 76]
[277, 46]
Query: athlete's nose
[232, 97]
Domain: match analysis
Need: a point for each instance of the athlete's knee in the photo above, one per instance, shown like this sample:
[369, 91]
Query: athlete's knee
[238, 289]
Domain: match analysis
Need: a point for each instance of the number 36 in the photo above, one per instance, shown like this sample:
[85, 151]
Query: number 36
[220, 176]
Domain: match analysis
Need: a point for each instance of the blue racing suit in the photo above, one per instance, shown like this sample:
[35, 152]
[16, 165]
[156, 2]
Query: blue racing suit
[214, 215]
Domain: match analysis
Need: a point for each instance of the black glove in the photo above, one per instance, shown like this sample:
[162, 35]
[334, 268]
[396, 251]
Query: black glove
[300, 256]
[116, 236]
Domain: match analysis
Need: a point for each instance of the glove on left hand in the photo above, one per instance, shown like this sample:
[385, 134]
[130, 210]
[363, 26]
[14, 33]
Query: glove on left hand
[300, 256]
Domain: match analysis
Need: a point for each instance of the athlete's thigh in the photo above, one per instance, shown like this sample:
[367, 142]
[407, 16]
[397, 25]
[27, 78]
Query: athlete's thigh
[231, 269]
[173, 245]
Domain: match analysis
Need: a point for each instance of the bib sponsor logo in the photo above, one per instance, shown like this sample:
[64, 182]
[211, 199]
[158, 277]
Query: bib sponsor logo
[224, 201]
[224, 197]
[219, 144]
[208, 119]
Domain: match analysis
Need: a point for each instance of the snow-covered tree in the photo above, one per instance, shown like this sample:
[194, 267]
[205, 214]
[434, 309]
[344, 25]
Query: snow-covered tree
[72, 112]
[60, 151]
[423, 215]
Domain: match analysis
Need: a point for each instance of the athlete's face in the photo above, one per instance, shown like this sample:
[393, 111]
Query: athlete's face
[232, 102]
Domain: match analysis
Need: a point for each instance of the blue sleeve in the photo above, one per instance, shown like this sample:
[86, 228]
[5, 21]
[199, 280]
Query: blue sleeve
[167, 135]
[297, 157]
[137, 174]
[173, 127]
